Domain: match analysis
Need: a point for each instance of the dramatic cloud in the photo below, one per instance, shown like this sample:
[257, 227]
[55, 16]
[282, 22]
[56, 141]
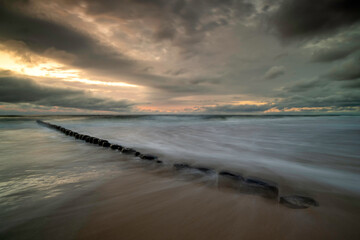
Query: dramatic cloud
[337, 47]
[348, 70]
[307, 18]
[332, 54]
[180, 21]
[274, 72]
[176, 56]
[20, 90]
[305, 86]
[319, 92]
[48, 37]
[335, 102]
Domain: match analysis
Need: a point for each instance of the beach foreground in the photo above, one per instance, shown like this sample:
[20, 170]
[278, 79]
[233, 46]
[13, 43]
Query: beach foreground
[140, 205]
[128, 211]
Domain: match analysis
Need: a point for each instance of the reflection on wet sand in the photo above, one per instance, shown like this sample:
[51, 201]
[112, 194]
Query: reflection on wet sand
[146, 206]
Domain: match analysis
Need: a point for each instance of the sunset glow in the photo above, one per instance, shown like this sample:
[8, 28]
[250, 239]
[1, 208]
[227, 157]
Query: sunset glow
[86, 81]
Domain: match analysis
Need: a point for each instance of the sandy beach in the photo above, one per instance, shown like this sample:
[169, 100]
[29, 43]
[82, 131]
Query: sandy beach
[146, 206]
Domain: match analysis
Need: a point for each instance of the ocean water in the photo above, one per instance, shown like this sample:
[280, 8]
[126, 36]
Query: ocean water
[41, 169]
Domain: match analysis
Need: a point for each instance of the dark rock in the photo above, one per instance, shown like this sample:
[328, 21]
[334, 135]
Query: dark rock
[298, 202]
[159, 161]
[148, 157]
[181, 166]
[266, 189]
[230, 180]
[120, 148]
[114, 146]
[95, 141]
[106, 144]
[85, 137]
[204, 169]
[234, 176]
[101, 141]
[88, 139]
[128, 151]
[137, 154]
[78, 136]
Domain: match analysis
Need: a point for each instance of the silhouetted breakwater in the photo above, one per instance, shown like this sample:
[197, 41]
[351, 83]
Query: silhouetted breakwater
[224, 178]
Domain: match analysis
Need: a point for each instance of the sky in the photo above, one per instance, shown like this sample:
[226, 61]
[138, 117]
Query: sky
[179, 57]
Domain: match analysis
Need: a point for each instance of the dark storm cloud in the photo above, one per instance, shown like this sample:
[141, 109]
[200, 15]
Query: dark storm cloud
[21, 90]
[352, 85]
[347, 44]
[305, 86]
[308, 18]
[333, 53]
[319, 92]
[348, 99]
[348, 70]
[42, 36]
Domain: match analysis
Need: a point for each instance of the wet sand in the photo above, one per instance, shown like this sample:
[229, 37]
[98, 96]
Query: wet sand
[144, 206]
